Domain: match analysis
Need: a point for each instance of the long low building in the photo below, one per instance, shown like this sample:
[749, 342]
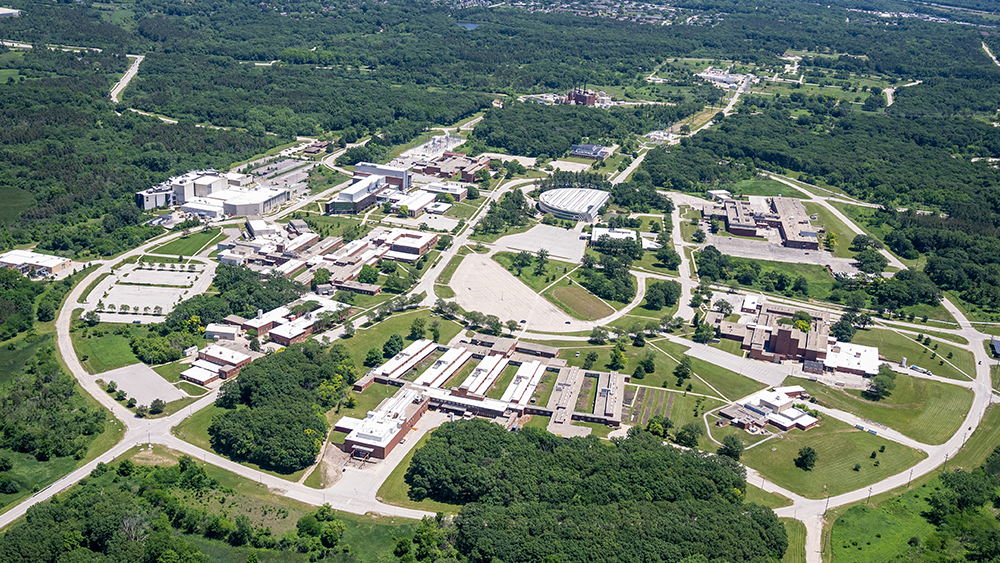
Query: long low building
[34, 263]
[383, 429]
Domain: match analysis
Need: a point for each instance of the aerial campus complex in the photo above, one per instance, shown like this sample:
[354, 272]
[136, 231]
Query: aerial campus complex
[312, 324]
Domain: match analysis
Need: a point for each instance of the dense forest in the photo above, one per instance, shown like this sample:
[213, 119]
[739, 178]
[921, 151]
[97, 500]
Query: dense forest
[139, 514]
[531, 496]
[274, 408]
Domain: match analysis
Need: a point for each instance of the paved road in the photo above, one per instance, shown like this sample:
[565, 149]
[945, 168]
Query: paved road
[120, 86]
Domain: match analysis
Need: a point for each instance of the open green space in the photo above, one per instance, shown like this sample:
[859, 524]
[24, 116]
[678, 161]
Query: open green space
[91, 286]
[537, 282]
[443, 291]
[32, 475]
[375, 336]
[759, 496]
[365, 401]
[108, 351]
[502, 382]
[332, 225]
[894, 347]
[880, 533]
[18, 352]
[188, 245]
[818, 277]
[172, 371]
[839, 447]
[596, 429]
[16, 200]
[396, 492]
[449, 270]
[925, 410]
[538, 421]
[192, 389]
[322, 178]
[733, 385]
[544, 389]
[796, 552]
[578, 302]
[767, 188]
[493, 237]
[944, 336]
[720, 432]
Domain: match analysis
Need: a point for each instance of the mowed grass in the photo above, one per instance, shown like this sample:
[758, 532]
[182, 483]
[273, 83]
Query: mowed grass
[768, 188]
[732, 385]
[99, 354]
[796, 552]
[502, 382]
[537, 282]
[925, 410]
[365, 401]
[866, 534]
[189, 245]
[759, 496]
[375, 336]
[396, 491]
[449, 270]
[819, 278]
[895, 347]
[838, 447]
[172, 371]
[578, 302]
[834, 225]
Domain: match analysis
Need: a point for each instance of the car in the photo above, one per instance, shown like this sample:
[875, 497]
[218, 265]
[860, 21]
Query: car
[567, 322]
[523, 321]
[577, 354]
[136, 322]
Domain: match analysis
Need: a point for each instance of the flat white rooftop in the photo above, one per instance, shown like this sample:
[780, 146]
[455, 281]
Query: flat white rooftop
[18, 257]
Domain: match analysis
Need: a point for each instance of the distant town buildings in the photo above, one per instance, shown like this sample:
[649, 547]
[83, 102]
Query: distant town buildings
[721, 78]
[33, 263]
[450, 164]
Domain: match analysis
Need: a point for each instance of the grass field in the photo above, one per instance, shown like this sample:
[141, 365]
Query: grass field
[759, 496]
[449, 270]
[768, 188]
[493, 237]
[189, 245]
[578, 302]
[680, 407]
[819, 278]
[93, 284]
[17, 201]
[366, 401]
[650, 263]
[172, 371]
[796, 552]
[375, 336]
[875, 534]
[834, 225]
[732, 385]
[396, 492]
[599, 430]
[192, 389]
[537, 282]
[838, 446]
[99, 354]
[538, 421]
[544, 389]
[30, 473]
[895, 347]
[927, 411]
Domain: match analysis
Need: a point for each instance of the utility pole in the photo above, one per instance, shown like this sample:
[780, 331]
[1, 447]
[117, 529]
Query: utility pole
[869, 495]
[910, 478]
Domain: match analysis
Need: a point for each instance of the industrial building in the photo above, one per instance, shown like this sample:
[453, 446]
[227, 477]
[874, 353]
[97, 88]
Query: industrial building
[575, 204]
[774, 407]
[454, 190]
[34, 263]
[786, 214]
[415, 203]
[357, 197]
[383, 428]
[217, 331]
[596, 152]
[451, 163]
[215, 362]
[395, 175]
[212, 194]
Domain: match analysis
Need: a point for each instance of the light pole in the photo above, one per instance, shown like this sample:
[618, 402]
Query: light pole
[910, 478]
[869, 495]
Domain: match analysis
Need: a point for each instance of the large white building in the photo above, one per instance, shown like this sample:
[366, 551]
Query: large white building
[396, 175]
[212, 194]
[575, 204]
[33, 262]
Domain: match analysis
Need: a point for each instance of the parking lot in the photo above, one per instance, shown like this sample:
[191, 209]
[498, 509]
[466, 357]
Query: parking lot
[763, 250]
[562, 244]
[142, 384]
[153, 277]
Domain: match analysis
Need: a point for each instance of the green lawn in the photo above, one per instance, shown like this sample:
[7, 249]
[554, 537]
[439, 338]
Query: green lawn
[93, 284]
[927, 411]
[796, 552]
[449, 270]
[172, 371]
[366, 401]
[759, 496]
[553, 270]
[99, 354]
[769, 188]
[880, 533]
[375, 336]
[189, 245]
[733, 385]
[192, 389]
[599, 430]
[839, 447]
[651, 264]
[30, 473]
[538, 421]
[502, 382]
[834, 225]
[819, 278]
[578, 303]
[396, 492]
[895, 347]
[543, 391]
[493, 237]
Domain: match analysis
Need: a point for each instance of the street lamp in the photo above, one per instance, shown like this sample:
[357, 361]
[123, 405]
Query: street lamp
[869, 495]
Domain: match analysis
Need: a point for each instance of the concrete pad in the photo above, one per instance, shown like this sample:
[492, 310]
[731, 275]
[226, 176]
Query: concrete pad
[482, 285]
[142, 383]
[562, 244]
[524, 160]
[154, 277]
[143, 296]
[570, 166]
[763, 250]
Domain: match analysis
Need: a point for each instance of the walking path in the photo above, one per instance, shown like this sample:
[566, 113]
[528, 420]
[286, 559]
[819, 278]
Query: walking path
[120, 86]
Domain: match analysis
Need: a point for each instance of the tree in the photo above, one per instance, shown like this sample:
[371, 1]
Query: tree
[806, 459]
[801, 286]
[368, 274]
[92, 318]
[704, 333]
[843, 330]
[668, 257]
[541, 260]
[618, 359]
[417, 328]
[882, 385]
[141, 411]
[522, 260]
[699, 236]
[512, 325]
[373, 358]
[435, 330]
[157, 406]
[688, 435]
[732, 447]
[683, 370]
[871, 261]
[349, 328]
[723, 306]
[255, 344]
[599, 335]
[392, 346]
[639, 372]
[320, 277]
[588, 361]
[660, 294]
[331, 533]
